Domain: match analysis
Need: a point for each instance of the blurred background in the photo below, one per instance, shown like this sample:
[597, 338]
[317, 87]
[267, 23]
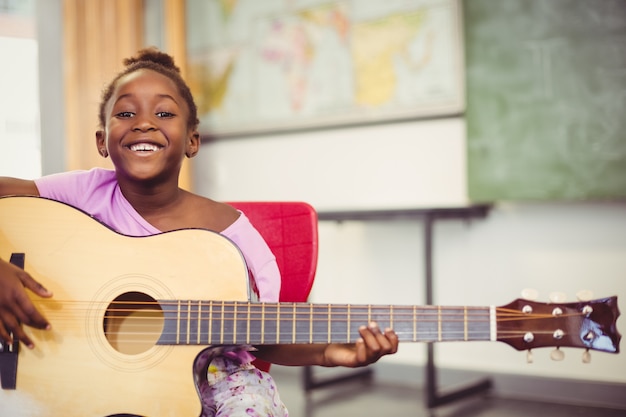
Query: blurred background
[356, 106]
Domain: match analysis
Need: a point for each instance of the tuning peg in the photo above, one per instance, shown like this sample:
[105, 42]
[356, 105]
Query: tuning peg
[530, 294]
[584, 295]
[529, 356]
[557, 355]
[557, 297]
[586, 356]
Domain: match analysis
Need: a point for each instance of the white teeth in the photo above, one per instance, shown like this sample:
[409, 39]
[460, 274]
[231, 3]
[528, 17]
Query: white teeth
[144, 147]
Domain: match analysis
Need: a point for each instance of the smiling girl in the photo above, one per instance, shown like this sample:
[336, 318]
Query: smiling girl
[148, 122]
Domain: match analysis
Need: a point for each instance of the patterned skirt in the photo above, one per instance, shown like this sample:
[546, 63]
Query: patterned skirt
[234, 387]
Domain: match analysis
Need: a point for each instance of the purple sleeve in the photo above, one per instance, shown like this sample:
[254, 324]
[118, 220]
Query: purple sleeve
[65, 187]
[260, 259]
[80, 189]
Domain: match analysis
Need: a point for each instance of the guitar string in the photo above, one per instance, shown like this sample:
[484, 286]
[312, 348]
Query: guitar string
[321, 337]
[183, 304]
[288, 310]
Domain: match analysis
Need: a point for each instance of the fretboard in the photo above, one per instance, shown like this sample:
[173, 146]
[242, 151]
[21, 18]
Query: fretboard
[226, 323]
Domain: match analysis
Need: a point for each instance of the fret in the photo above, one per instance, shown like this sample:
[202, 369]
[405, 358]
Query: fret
[188, 321]
[234, 323]
[303, 323]
[199, 324]
[270, 323]
[192, 322]
[480, 328]
[439, 324]
[277, 323]
[493, 328]
[204, 315]
[222, 323]
[298, 318]
[241, 322]
[311, 323]
[348, 324]
[414, 324]
[426, 324]
[361, 316]
[330, 325]
[255, 324]
[338, 323]
[210, 332]
[465, 323]
[178, 325]
[288, 330]
[385, 317]
[248, 323]
[263, 323]
[452, 324]
[293, 324]
[229, 320]
[318, 323]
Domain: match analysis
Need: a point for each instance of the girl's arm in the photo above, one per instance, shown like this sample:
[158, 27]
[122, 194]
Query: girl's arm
[16, 186]
[15, 306]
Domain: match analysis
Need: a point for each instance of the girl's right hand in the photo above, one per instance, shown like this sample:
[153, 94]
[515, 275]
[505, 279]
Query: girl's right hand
[15, 306]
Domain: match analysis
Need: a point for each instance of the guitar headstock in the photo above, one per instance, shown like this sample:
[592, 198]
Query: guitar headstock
[591, 325]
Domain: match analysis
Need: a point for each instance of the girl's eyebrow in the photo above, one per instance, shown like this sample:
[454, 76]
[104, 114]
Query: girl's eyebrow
[167, 96]
[130, 95]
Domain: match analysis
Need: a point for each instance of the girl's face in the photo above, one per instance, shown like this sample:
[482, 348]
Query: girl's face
[146, 132]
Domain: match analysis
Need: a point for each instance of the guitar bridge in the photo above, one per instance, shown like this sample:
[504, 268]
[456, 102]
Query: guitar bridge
[10, 351]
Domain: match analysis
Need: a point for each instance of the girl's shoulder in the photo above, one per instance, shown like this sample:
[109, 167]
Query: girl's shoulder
[212, 214]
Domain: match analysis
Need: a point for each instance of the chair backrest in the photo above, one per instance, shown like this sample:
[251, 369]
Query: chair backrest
[290, 230]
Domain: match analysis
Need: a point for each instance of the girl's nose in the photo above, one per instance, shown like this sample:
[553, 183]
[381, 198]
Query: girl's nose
[143, 124]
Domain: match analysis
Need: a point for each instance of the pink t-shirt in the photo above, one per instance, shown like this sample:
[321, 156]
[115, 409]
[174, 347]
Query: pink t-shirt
[97, 192]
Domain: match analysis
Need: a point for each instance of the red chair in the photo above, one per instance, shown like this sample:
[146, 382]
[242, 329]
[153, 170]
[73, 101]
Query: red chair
[290, 230]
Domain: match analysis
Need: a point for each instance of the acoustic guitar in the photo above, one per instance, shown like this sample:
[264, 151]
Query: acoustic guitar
[130, 316]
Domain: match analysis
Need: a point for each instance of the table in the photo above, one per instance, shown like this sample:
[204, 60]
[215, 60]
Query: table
[434, 397]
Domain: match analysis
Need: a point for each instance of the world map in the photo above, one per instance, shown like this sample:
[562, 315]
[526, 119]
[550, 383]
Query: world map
[277, 64]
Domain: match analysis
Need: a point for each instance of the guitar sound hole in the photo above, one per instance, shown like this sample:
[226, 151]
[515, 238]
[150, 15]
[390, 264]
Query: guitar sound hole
[133, 323]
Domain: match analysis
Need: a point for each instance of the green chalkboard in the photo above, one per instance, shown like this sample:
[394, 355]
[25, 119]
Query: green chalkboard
[546, 99]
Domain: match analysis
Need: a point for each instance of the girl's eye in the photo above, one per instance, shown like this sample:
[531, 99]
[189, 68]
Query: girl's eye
[124, 114]
[164, 114]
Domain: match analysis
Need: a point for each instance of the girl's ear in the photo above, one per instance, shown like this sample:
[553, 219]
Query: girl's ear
[101, 143]
[193, 144]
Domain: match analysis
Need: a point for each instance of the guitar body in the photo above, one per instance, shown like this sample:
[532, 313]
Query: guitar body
[75, 369]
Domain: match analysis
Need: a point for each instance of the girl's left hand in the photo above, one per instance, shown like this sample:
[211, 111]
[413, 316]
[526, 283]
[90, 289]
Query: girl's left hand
[372, 345]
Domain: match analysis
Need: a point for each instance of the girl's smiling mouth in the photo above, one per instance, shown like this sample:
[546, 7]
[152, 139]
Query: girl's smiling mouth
[144, 147]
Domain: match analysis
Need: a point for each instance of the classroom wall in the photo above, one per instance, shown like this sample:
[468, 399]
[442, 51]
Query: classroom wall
[386, 166]
[547, 246]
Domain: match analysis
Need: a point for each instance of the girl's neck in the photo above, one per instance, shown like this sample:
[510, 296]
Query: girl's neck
[147, 200]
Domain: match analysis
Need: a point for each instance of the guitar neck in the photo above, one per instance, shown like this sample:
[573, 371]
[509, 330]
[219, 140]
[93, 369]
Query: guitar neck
[216, 322]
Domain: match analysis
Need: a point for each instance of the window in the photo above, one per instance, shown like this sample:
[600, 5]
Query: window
[20, 139]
